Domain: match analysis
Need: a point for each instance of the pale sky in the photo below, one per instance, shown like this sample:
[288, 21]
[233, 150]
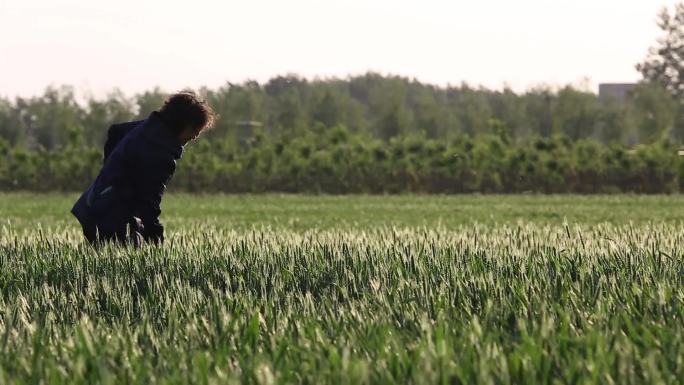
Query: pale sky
[135, 45]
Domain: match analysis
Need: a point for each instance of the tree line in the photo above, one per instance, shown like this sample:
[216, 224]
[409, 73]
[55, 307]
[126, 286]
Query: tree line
[367, 134]
[337, 160]
[382, 107]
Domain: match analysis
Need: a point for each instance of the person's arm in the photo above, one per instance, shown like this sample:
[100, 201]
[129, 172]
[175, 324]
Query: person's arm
[153, 174]
[115, 133]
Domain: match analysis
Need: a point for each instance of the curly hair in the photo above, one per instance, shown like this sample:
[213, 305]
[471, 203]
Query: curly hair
[187, 109]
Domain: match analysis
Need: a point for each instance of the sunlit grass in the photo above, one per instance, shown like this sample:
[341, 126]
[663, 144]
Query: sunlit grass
[527, 303]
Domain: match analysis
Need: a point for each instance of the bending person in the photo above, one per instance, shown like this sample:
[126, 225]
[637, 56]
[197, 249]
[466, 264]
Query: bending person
[122, 204]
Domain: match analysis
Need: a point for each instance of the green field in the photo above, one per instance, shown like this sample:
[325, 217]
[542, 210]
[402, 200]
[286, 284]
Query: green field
[349, 290]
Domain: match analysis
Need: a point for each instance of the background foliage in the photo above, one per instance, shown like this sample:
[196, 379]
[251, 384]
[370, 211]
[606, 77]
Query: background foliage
[368, 133]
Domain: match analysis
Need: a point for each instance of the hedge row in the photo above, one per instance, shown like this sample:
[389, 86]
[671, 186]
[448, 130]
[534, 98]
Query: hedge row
[338, 162]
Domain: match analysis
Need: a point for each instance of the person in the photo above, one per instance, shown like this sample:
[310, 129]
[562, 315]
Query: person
[122, 204]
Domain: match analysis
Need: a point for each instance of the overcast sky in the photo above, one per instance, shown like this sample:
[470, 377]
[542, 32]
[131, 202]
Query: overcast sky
[135, 45]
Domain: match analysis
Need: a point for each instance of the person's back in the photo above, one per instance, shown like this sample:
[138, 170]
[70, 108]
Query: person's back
[122, 204]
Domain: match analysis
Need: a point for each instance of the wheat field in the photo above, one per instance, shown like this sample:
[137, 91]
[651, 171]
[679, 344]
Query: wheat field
[349, 290]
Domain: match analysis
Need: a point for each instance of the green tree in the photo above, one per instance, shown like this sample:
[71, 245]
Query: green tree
[664, 63]
[472, 109]
[327, 110]
[149, 101]
[10, 131]
[49, 117]
[388, 102]
[429, 116]
[575, 114]
[115, 108]
[653, 112]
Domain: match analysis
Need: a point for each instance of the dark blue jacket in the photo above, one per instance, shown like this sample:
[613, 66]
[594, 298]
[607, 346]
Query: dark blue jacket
[117, 132]
[139, 160]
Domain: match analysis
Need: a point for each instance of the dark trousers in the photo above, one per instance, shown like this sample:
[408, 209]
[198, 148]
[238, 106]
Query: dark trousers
[130, 234]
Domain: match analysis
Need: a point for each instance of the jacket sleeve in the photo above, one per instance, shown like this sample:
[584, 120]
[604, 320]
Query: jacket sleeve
[154, 174]
[115, 133]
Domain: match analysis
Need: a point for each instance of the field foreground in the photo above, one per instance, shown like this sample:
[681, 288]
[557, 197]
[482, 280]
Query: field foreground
[293, 289]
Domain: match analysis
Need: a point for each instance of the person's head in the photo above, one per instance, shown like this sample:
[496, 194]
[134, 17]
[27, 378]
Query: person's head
[187, 114]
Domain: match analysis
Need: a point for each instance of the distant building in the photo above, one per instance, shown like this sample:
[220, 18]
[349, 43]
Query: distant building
[616, 91]
[245, 130]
